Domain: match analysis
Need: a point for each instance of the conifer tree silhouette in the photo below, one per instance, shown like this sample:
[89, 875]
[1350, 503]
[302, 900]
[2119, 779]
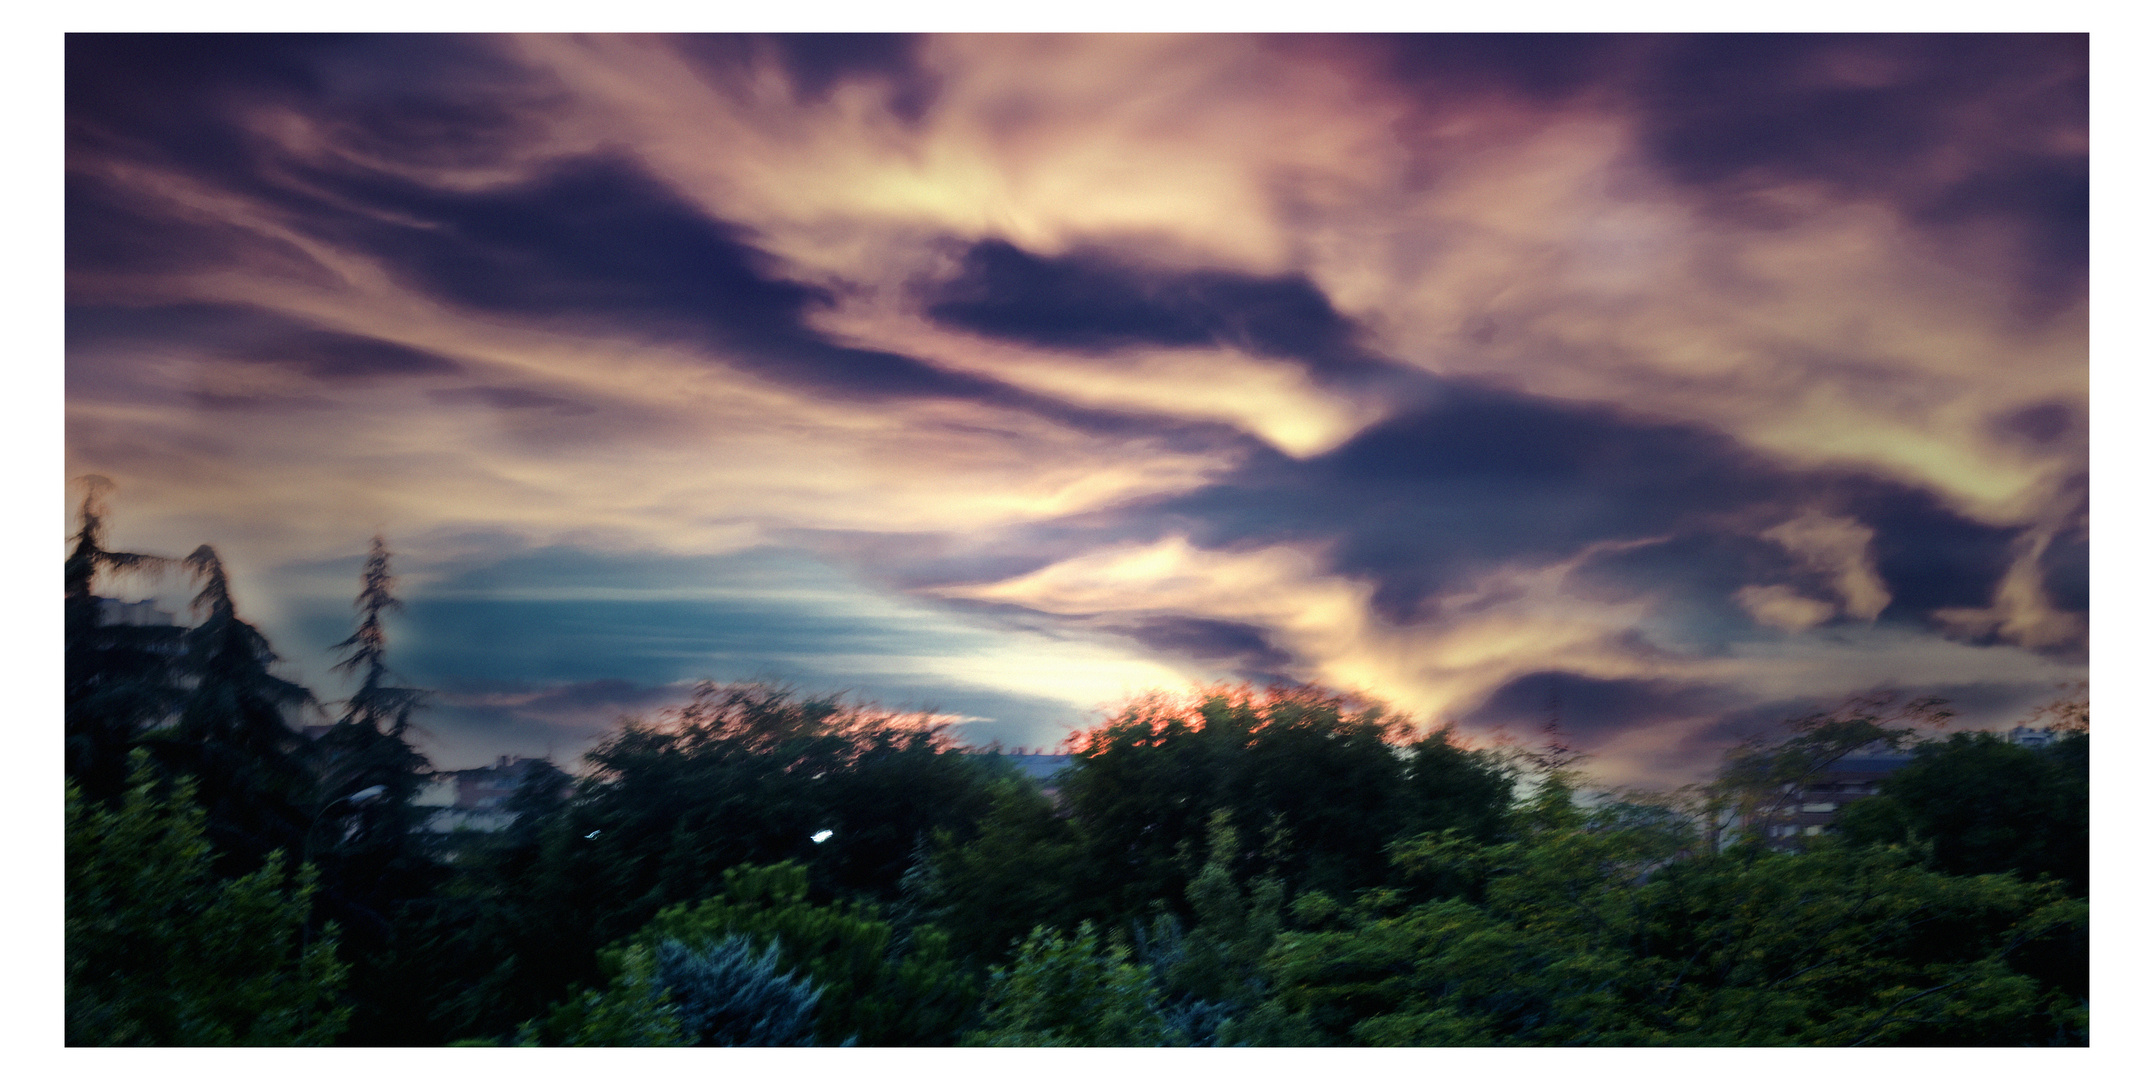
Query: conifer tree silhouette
[370, 744]
[122, 680]
[232, 733]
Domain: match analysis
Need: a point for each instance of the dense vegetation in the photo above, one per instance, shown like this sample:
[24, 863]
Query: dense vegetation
[1279, 867]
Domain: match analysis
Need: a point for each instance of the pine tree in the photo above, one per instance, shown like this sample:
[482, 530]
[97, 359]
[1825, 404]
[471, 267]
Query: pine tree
[374, 848]
[253, 768]
[370, 744]
[728, 995]
[122, 680]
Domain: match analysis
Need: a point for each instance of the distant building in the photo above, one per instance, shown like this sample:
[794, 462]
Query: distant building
[1818, 803]
[2031, 738]
[1810, 809]
[139, 613]
[478, 796]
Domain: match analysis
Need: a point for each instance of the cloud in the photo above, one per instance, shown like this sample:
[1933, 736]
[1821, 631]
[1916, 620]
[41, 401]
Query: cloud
[1782, 607]
[2020, 611]
[1474, 639]
[1839, 549]
[1743, 368]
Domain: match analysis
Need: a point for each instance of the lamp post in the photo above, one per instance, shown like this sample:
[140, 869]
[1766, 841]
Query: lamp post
[306, 840]
[363, 795]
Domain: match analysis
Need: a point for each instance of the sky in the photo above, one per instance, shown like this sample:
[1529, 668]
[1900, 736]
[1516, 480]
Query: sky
[1666, 386]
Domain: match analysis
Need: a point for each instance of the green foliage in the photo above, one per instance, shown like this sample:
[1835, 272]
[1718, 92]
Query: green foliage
[1450, 787]
[726, 995]
[1071, 990]
[1589, 935]
[635, 1010]
[743, 775]
[1977, 804]
[1328, 784]
[1024, 868]
[871, 991]
[746, 774]
[1213, 976]
[161, 953]
[1220, 959]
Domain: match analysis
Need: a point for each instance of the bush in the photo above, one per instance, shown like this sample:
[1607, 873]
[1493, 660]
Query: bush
[161, 953]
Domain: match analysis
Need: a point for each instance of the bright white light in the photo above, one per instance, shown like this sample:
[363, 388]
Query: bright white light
[592, 833]
[821, 836]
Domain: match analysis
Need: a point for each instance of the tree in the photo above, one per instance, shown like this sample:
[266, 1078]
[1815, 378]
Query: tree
[1023, 869]
[874, 989]
[1071, 990]
[369, 747]
[162, 953]
[760, 960]
[1588, 934]
[674, 995]
[252, 768]
[1326, 774]
[1451, 787]
[748, 774]
[376, 855]
[122, 680]
[1977, 804]
[1213, 975]
[729, 996]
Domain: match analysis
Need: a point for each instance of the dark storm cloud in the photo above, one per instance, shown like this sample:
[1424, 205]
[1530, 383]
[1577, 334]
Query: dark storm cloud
[1928, 556]
[178, 99]
[1423, 499]
[2065, 566]
[1951, 128]
[1589, 710]
[1092, 301]
[170, 96]
[1482, 475]
[816, 63]
[1544, 67]
[1241, 648]
[2045, 423]
[595, 241]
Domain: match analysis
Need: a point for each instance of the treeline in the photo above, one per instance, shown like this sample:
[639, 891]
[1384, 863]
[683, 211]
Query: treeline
[1278, 867]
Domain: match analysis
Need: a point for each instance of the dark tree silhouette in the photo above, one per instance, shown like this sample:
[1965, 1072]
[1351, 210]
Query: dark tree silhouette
[370, 834]
[122, 680]
[254, 769]
[370, 745]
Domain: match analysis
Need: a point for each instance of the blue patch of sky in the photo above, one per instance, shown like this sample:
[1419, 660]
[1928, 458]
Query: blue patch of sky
[560, 616]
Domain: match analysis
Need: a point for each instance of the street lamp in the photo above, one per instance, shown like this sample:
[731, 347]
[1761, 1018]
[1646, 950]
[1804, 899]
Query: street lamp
[306, 840]
[363, 795]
